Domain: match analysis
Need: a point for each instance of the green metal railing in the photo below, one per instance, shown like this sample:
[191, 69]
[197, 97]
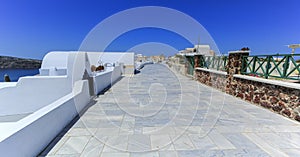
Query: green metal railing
[214, 62]
[191, 63]
[282, 66]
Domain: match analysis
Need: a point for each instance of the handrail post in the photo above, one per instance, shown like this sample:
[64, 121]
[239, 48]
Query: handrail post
[268, 67]
[254, 64]
[225, 63]
[286, 66]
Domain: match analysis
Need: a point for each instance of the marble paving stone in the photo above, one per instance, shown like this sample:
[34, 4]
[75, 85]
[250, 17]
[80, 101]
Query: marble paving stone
[169, 147]
[285, 128]
[106, 154]
[202, 142]
[139, 143]
[196, 153]
[144, 154]
[240, 141]
[245, 153]
[54, 146]
[79, 124]
[264, 145]
[108, 131]
[82, 132]
[292, 152]
[292, 137]
[93, 148]
[116, 143]
[74, 145]
[160, 141]
[168, 154]
[89, 123]
[182, 142]
[221, 141]
[277, 141]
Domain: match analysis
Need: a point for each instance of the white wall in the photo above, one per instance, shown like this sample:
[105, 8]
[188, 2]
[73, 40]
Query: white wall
[39, 128]
[103, 80]
[53, 100]
[31, 94]
[127, 58]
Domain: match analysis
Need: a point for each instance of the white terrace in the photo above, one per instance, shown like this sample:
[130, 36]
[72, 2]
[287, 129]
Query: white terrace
[159, 113]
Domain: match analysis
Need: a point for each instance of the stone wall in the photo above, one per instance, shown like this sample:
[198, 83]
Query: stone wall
[277, 96]
[211, 78]
[175, 64]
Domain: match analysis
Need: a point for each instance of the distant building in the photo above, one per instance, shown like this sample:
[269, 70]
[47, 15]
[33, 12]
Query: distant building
[141, 58]
[158, 59]
[198, 49]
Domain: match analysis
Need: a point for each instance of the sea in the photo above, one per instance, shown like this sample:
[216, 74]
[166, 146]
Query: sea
[15, 74]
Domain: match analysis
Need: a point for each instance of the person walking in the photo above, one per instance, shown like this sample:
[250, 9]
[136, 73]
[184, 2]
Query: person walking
[6, 78]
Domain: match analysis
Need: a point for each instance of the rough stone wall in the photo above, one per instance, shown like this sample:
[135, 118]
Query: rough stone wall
[181, 68]
[282, 100]
[279, 99]
[234, 67]
[211, 79]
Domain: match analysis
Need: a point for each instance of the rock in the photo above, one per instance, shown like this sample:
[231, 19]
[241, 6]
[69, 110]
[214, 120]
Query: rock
[297, 118]
[19, 63]
[265, 104]
[240, 95]
[281, 103]
[273, 100]
[277, 108]
[293, 98]
[286, 112]
[273, 92]
[283, 97]
[256, 99]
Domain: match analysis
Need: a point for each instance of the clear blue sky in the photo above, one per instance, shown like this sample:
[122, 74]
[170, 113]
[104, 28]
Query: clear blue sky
[32, 28]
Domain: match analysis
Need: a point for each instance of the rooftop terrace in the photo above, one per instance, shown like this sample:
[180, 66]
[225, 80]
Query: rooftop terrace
[159, 113]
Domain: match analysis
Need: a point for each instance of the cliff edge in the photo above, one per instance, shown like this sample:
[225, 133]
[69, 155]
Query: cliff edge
[7, 62]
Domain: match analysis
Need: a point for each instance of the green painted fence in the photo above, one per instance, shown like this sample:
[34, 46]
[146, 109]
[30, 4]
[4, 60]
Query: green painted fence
[214, 62]
[282, 66]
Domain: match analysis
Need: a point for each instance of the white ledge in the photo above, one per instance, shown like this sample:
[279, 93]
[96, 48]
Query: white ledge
[239, 51]
[268, 81]
[212, 71]
[7, 84]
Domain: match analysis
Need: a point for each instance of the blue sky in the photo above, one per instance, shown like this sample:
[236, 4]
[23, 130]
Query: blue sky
[34, 27]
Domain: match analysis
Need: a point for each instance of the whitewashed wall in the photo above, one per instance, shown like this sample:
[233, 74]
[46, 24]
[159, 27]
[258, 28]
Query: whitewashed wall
[52, 99]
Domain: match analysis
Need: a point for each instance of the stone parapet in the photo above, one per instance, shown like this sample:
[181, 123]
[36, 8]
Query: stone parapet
[277, 96]
[216, 79]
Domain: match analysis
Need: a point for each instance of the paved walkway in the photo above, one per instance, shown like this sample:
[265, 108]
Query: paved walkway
[161, 114]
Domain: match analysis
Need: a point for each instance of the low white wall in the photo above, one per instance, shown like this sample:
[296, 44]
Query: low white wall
[38, 129]
[269, 81]
[106, 78]
[126, 58]
[32, 93]
[7, 84]
[212, 71]
[111, 57]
